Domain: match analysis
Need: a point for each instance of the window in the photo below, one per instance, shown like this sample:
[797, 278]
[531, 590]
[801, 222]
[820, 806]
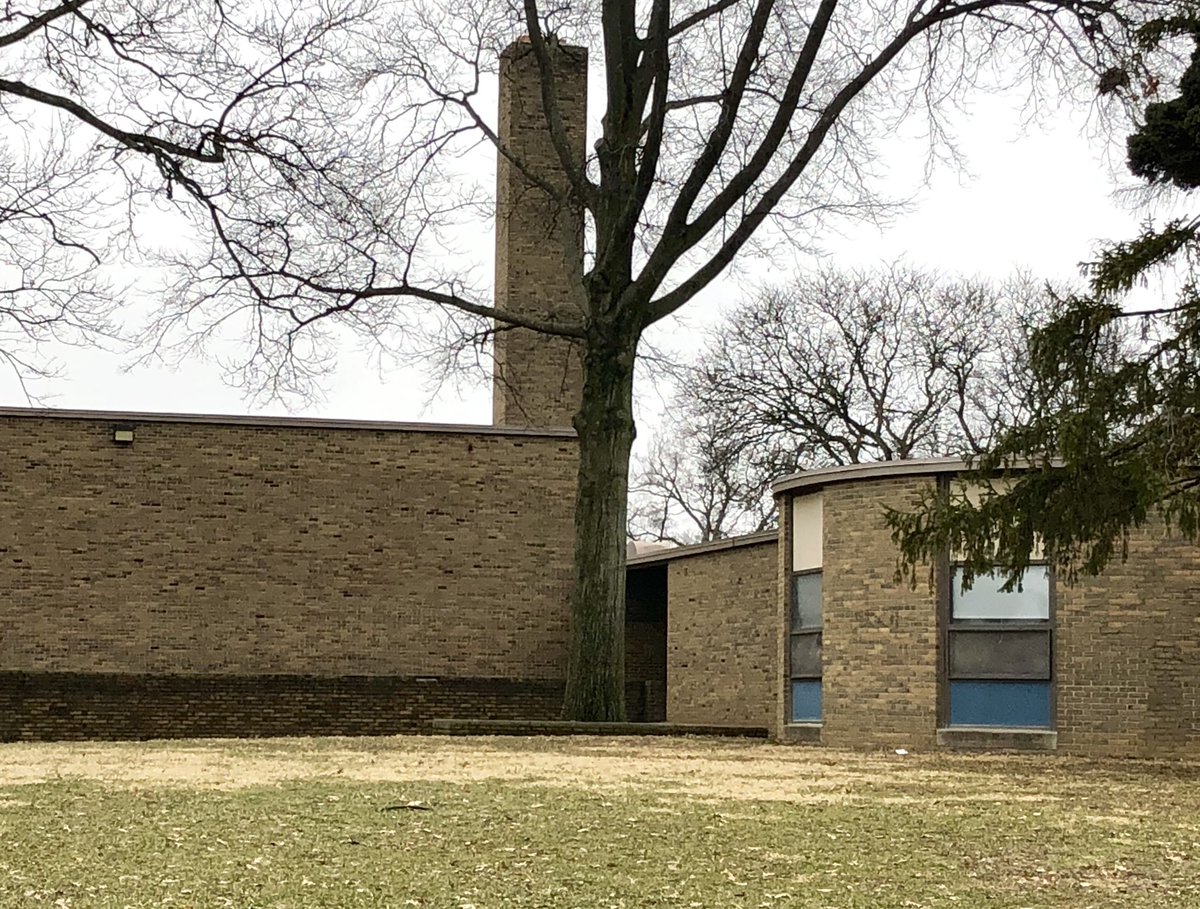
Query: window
[804, 609]
[804, 651]
[999, 662]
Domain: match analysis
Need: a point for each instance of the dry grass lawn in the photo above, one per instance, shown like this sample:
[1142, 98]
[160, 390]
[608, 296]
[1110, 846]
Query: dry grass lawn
[585, 822]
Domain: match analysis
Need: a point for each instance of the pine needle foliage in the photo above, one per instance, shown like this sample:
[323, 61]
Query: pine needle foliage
[1114, 440]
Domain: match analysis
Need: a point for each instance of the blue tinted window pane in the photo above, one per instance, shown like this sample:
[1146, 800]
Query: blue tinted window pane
[1000, 704]
[806, 702]
[985, 600]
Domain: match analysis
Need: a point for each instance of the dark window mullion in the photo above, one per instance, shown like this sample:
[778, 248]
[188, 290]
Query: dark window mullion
[999, 625]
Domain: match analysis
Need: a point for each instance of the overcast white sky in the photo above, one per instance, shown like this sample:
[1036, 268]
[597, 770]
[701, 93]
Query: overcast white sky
[1038, 201]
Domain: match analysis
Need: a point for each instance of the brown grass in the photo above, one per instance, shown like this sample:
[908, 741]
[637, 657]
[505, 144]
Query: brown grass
[711, 768]
[587, 822]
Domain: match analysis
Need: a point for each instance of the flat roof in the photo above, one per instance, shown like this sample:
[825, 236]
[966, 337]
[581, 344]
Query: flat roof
[54, 413]
[682, 552]
[876, 470]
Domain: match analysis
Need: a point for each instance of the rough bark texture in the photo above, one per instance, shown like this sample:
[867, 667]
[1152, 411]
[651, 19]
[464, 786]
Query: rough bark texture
[595, 675]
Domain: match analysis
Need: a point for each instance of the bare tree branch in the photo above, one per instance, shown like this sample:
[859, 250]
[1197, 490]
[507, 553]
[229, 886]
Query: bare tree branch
[838, 367]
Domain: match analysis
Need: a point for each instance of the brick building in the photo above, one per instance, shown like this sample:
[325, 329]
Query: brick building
[717, 605]
[813, 634]
[173, 574]
[169, 575]
[219, 576]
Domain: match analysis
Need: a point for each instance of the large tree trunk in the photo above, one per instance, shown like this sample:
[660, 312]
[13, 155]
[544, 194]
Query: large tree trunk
[596, 668]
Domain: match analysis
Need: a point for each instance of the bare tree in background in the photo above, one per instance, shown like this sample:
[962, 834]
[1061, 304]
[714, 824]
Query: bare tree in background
[723, 120]
[698, 482]
[50, 291]
[112, 109]
[840, 367]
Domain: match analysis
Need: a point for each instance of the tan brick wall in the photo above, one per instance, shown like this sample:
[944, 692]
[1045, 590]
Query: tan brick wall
[1128, 654]
[722, 636]
[278, 549]
[1127, 644]
[539, 242]
[880, 635]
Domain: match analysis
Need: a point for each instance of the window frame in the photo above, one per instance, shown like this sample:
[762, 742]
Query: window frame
[944, 571]
[817, 631]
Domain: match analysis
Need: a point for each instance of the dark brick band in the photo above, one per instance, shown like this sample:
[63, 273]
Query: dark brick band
[78, 706]
[50, 706]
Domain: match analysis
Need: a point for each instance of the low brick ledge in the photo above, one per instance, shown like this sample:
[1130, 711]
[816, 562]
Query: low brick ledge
[801, 734]
[997, 738]
[568, 727]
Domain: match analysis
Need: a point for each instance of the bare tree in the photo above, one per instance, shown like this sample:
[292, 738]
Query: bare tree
[50, 289]
[112, 109]
[721, 119]
[839, 367]
[697, 482]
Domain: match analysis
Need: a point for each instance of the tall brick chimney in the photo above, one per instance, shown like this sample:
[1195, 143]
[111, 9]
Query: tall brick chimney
[539, 244]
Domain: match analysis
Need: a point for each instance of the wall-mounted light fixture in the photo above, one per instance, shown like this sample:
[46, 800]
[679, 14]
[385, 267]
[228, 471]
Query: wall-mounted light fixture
[123, 435]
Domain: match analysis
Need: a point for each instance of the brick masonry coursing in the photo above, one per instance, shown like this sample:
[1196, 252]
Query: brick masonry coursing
[79, 706]
[68, 706]
[880, 634]
[238, 551]
[1127, 651]
[721, 636]
[539, 242]
[1126, 644]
